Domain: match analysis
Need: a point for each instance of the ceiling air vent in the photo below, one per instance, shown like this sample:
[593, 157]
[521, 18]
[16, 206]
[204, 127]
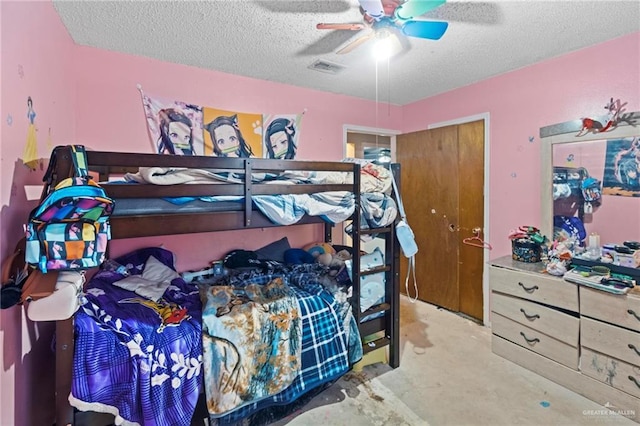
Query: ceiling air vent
[326, 66]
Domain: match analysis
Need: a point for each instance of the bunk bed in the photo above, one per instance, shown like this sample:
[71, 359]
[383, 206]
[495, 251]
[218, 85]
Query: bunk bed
[379, 322]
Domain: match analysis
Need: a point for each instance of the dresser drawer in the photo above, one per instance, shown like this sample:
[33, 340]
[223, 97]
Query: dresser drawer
[537, 287]
[541, 318]
[612, 308]
[610, 340]
[535, 341]
[611, 371]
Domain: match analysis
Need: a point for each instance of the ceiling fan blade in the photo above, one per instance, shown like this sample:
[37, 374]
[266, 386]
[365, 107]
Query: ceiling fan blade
[372, 8]
[415, 8]
[432, 30]
[355, 43]
[351, 27]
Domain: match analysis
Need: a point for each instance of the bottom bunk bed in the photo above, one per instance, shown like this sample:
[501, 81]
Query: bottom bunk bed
[260, 338]
[143, 340]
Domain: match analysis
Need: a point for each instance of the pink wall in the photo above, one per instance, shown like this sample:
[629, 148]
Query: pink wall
[110, 117]
[89, 96]
[566, 88]
[37, 59]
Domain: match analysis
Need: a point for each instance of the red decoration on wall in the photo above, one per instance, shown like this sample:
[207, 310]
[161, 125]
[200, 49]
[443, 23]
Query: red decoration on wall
[589, 125]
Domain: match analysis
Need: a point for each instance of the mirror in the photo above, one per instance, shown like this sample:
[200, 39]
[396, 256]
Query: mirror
[612, 209]
[592, 180]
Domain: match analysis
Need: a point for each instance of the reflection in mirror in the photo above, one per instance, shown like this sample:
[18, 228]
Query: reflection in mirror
[596, 189]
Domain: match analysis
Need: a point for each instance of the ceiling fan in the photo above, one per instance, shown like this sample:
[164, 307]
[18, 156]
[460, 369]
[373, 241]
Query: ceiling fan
[386, 17]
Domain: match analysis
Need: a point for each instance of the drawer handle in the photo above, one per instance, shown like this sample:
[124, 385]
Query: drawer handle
[630, 312]
[528, 289]
[631, 346]
[529, 341]
[634, 380]
[529, 317]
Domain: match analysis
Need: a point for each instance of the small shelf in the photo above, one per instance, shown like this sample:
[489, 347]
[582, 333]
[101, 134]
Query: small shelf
[376, 344]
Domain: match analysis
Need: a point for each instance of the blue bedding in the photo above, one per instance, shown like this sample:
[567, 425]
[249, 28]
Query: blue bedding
[142, 361]
[330, 337]
[134, 358]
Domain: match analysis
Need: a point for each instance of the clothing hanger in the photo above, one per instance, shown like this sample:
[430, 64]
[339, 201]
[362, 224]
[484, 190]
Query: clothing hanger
[476, 241]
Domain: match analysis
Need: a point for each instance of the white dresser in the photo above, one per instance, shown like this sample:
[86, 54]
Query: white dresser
[610, 339]
[584, 339]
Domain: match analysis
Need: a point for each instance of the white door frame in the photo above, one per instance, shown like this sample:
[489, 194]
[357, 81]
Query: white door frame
[487, 234]
[349, 128]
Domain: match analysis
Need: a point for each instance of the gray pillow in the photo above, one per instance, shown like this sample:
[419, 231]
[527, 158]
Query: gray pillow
[274, 251]
[154, 281]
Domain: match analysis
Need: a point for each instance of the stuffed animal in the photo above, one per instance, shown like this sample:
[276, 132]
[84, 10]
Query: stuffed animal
[335, 262]
[317, 249]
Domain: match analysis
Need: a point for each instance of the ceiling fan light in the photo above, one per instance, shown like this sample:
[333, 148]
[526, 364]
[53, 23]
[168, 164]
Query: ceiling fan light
[382, 48]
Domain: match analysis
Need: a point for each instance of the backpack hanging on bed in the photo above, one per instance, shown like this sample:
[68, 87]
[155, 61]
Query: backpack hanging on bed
[70, 228]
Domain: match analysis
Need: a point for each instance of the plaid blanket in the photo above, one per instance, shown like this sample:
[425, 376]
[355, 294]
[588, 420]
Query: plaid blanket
[328, 347]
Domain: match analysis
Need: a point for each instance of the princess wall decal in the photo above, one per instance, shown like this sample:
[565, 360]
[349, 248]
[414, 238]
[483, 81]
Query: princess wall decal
[30, 154]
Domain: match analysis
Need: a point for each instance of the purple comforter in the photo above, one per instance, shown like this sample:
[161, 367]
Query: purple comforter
[137, 359]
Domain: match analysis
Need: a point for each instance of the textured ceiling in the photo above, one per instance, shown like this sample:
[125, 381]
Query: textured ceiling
[277, 40]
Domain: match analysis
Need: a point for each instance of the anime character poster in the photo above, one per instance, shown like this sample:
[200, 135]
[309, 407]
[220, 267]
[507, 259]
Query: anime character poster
[622, 168]
[175, 127]
[232, 134]
[281, 135]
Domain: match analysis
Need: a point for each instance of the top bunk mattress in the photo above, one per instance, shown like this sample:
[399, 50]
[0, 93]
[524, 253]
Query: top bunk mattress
[284, 209]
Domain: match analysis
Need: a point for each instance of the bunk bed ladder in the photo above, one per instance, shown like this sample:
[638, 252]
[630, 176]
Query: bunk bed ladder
[389, 324]
[393, 277]
[355, 238]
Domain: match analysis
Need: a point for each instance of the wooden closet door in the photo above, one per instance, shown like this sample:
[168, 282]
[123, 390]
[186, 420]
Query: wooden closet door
[471, 215]
[443, 191]
[429, 179]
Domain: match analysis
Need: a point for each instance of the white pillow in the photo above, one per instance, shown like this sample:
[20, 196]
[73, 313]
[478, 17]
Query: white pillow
[154, 281]
[155, 270]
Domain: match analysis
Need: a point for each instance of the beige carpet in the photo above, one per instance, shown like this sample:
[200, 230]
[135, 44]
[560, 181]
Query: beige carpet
[448, 376]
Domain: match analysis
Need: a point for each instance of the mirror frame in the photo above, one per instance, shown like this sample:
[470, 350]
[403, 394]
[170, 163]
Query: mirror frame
[566, 133]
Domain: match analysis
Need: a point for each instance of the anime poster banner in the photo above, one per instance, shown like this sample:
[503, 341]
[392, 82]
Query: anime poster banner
[281, 135]
[179, 128]
[231, 134]
[622, 168]
[175, 127]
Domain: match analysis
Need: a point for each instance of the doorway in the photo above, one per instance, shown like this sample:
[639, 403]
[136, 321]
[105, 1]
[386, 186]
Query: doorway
[371, 144]
[443, 188]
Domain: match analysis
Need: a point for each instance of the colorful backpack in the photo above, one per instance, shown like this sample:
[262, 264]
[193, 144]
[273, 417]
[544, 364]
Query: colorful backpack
[70, 228]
